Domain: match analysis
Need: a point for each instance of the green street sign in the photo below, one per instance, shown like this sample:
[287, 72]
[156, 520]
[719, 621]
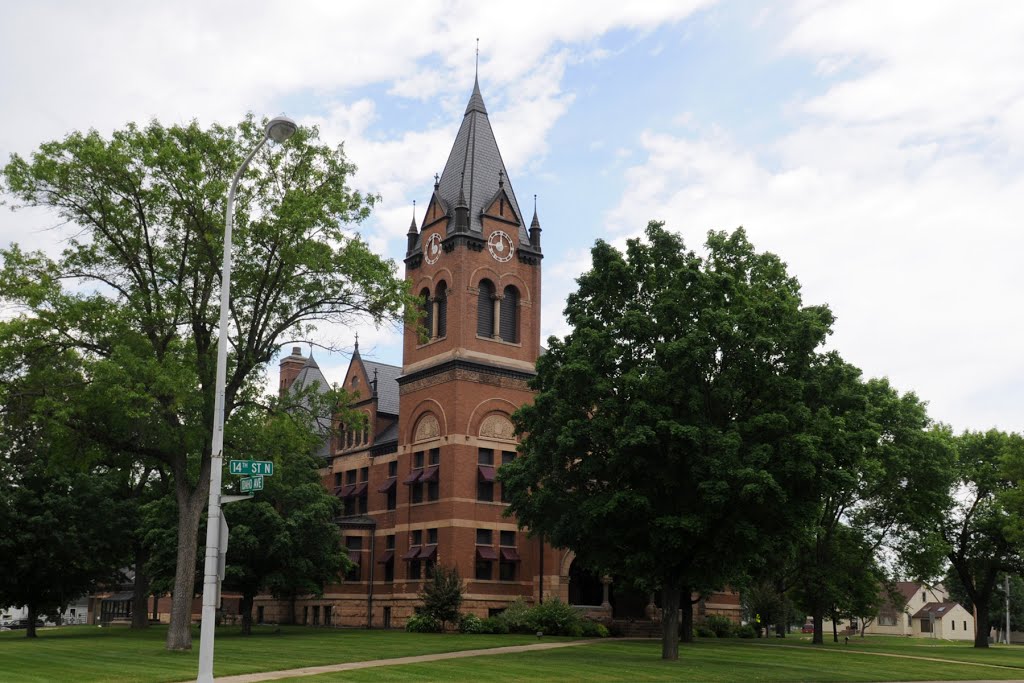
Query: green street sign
[250, 484]
[253, 467]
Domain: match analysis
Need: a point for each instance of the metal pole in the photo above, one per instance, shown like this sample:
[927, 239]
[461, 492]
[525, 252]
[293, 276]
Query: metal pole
[210, 580]
[1007, 608]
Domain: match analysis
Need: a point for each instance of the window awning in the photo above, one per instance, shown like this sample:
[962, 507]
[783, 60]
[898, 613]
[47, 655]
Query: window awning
[429, 474]
[386, 557]
[509, 555]
[429, 552]
[413, 477]
[411, 553]
[486, 552]
[359, 490]
[345, 491]
[388, 485]
[485, 473]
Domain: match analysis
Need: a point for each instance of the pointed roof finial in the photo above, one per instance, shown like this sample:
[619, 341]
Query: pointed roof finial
[357, 343]
[535, 223]
[437, 181]
[476, 71]
[501, 178]
[412, 226]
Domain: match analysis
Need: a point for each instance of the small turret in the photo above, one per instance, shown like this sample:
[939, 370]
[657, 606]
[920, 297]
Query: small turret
[535, 227]
[462, 209]
[413, 234]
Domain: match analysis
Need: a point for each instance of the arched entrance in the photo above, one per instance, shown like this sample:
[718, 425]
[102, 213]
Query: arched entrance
[585, 587]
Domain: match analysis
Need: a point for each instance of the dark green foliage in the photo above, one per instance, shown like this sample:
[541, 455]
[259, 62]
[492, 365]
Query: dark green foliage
[594, 629]
[669, 438]
[556, 618]
[722, 626]
[442, 595]
[422, 622]
[746, 631]
[495, 625]
[703, 631]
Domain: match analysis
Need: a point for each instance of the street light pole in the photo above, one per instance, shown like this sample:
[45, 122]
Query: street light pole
[279, 129]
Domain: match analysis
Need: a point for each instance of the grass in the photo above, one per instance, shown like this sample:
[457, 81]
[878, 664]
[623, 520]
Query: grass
[119, 655]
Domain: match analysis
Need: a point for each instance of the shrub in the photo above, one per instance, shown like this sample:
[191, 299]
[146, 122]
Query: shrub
[422, 623]
[704, 631]
[471, 623]
[494, 625]
[594, 629]
[556, 618]
[517, 618]
[746, 631]
[722, 626]
[442, 595]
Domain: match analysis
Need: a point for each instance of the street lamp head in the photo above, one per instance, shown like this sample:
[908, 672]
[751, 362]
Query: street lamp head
[280, 128]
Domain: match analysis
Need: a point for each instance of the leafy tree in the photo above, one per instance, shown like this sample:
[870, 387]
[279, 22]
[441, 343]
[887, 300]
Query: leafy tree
[284, 540]
[976, 531]
[667, 440]
[136, 290]
[878, 469]
[997, 603]
[442, 595]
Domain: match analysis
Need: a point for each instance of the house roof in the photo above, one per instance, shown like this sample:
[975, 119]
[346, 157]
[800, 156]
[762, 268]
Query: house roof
[388, 435]
[939, 609]
[387, 385]
[474, 169]
[908, 588]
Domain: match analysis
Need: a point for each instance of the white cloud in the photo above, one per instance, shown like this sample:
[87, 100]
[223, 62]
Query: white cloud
[895, 201]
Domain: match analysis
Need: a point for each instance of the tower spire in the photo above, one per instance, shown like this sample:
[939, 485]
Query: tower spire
[413, 233]
[535, 226]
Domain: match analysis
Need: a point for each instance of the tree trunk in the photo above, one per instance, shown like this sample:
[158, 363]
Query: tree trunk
[818, 614]
[291, 610]
[780, 630]
[981, 624]
[835, 629]
[686, 625]
[670, 621]
[140, 592]
[246, 607]
[179, 631]
[30, 630]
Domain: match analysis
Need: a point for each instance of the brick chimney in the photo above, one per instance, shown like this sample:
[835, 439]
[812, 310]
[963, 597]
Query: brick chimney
[290, 367]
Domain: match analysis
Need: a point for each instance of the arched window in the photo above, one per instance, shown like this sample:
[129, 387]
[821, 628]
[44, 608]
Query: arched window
[510, 315]
[485, 310]
[441, 298]
[428, 311]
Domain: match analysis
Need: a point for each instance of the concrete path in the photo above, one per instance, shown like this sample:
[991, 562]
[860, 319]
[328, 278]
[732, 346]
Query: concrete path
[350, 666]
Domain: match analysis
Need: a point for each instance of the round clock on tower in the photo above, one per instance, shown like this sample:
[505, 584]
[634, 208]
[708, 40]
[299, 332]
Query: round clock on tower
[432, 249]
[501, 246]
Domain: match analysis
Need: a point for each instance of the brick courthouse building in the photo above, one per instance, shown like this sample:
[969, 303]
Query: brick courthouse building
[419, 485]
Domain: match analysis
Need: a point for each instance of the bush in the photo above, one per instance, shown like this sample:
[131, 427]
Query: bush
[422, 623]
[471, 623]
[704, 631]
[442, 595]
[746, 631]
[722, 626]
[593, 629]
[494, 625]
[556, 618]
[517, 618]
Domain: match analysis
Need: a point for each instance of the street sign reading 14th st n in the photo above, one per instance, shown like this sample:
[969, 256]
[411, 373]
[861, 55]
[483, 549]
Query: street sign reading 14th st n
[251, 467]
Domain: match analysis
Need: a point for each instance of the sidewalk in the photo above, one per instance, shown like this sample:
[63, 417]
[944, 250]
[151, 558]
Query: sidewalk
[350, 666]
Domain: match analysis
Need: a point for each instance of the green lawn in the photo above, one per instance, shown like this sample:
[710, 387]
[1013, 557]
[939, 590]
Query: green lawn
[706, 660]
[86, 653]
[119, 655]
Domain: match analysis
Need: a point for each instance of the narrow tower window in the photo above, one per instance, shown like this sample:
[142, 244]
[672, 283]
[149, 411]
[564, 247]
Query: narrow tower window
[485, 310]
[510, 315]
[441, 302]
[428, 312]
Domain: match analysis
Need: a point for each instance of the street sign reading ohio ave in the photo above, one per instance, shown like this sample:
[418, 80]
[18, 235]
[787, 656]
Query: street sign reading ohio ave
[250, 484]
[251, 467]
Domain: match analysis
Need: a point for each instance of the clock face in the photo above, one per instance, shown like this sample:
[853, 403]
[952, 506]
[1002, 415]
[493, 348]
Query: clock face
[501, 246]
[432, 249]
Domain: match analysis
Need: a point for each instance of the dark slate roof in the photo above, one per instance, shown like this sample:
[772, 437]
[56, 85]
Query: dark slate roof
[387, 385]
[389, 434]
[308, 375]
[473, 168]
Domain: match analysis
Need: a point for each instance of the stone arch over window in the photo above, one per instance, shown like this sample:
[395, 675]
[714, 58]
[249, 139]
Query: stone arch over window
[485, 304]
[509, 327]
[490, 407]
[441, 308]
[427, 427]
[497, 426]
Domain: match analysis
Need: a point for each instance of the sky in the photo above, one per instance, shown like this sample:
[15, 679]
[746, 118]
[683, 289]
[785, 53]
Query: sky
[876, 147]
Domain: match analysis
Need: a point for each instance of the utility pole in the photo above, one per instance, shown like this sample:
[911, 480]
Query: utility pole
[1007, 608]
